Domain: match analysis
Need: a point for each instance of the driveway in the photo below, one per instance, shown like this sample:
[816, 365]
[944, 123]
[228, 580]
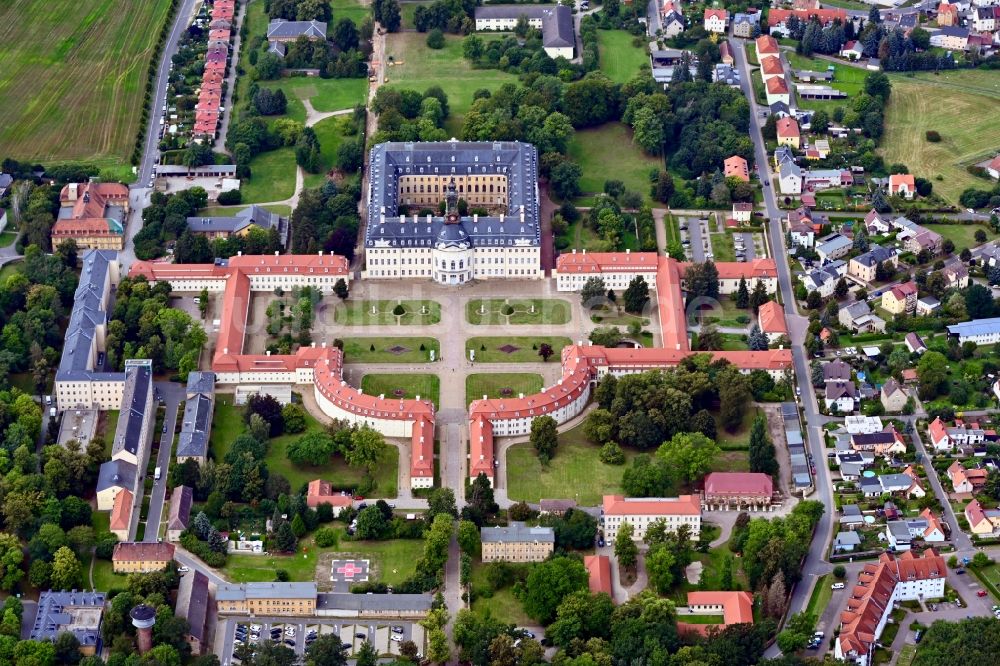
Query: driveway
[172, 394]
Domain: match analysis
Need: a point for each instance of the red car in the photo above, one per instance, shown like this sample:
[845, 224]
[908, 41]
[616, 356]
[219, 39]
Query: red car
[981, 593]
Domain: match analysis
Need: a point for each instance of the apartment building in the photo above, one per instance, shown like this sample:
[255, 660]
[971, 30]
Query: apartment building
[643, 512]
[267, 599]
[517, 543]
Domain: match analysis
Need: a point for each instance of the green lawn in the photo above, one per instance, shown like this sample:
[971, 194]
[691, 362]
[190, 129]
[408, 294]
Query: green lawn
[73, 77]
[359, 313]
[700, 619]
[607, 152]
[227, 425]
[272, 177]
[428, 387]
[739, 438]
[104, 576]
[523, 349]
[229, 211]
[501, 385]
[907, 654]
[417, 67]
[324, 94]
[620, 60]
[576, 472]
[390, 350]
[518, 311]
[733, 342]
[7, 237]
[821, 595]
[501, 604]
[614, 316]
[722, 247]
[727, 315]
[393, 560]
[351, 9]
[967, 125]
[8, 270]
[962, 235]
[850, 80]
[330, 133]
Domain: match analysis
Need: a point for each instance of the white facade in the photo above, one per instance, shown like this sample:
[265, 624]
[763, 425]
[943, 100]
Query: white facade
[618, 281]
[388, 427]
[521, 425]
[454, 265]
[505, 24]
[101, 393]
[641, 522]
[731, 286]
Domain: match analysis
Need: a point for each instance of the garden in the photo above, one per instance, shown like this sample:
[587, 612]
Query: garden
[387, 312]
[404, 386]
[498, 385]
[518, 311]
[390, 350]
[515, 349]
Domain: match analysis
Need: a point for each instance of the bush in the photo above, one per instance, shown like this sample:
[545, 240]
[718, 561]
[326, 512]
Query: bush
[839, 571]
[399, 310]
[326, 537]
[507, 310]
[933, 136]
[230, 198]
[612, 454]
[435, 39]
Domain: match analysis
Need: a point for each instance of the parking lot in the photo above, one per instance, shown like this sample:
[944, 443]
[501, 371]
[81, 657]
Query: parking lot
[298, 635]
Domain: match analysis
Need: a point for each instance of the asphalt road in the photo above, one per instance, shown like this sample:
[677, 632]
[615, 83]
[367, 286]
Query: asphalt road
[171, 394]
[814, 564]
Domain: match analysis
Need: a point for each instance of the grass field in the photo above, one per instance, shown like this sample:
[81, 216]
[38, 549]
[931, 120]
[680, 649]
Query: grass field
[227, 425]
[501, 605]
[967, 124]
[523, 349]
[9, 269]
[850, 80]
[518, 311]
[962, 235]
[422, 68]
[501, 385]
[359, 313]
[405, 350]
[272, 177]
[351, 9]
[576, 472]
[428, 387]
[330, 133]
[324, 94]
[722, 247]
[821, 595]
[395, 560]
[620, 61]
[607, 152]
[73, 77]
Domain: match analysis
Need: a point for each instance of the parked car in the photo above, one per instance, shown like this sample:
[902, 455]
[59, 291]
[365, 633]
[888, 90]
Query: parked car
[837, 586]
[397, 629]
[981, 593]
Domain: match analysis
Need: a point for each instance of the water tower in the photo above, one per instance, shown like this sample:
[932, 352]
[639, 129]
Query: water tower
[143, 619]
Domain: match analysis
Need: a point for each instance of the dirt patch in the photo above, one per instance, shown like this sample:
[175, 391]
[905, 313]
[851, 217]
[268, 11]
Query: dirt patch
[509, 349]
[776, 429]
[627, 576]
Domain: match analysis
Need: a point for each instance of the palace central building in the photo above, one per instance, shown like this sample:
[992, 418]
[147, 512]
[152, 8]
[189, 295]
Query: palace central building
[407, 237]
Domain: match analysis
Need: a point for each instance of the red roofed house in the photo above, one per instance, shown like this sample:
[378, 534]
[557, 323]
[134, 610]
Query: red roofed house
[788, 132]
[982, 522]
[947, 14]
[725, 53]
[777, 19]
[736, 490]
[940, 439]
[616, 268]
[321, 492]
[901, 299]
[966, 480]
[771, 319]
[121, 514]
[777, 91]
[770, 66]
[480, 448]
[734, 607]
[643, 512]
[902, 184]
[881, 584]
[422, 453]
[852, 50]
[716, 20]
[599, 569]
[993, 168]
[92, 214]
[736, 167]
[141, 557]
[766, 45]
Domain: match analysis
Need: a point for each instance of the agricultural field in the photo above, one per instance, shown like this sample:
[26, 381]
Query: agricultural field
[608, 152]
[967, 125]
[620, 60]
[73, 77]
[413, 65]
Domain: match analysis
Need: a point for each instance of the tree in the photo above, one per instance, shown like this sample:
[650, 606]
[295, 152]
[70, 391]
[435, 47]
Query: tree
[367, 655]
[545, 351]
[636, 295]
[565, 179]
[877, 84]
[861, 243]
[703, 422]
[68, 252]
[367, 448]
[626, 550]
[372, 524]
[345, 34]
[548, 583]
[980, 236]
[468, 537]
[735, 396]
[593, 290]
[439, 649]
[742, 294]
[841, 289]
[702, 281]
[481, 502]
[757, 340]
[932, 374]
[758, 296]
[326, 650]
[544, 437]
[65, 570]
[435, 39]
[689, 455]
[660, 569]
[314, 449]
[441, 500]
[11, 557]
[762, 454]
[294, 417]
[269, 409]
[340, 289]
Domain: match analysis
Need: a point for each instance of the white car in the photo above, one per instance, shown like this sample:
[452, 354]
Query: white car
[289, 631]
[183, 569]
[397, 638]
[255, 628]
[837, 586]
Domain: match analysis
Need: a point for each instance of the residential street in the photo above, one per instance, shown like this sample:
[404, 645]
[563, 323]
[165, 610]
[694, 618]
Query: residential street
[172, 394]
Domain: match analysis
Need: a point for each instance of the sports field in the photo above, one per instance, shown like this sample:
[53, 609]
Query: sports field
[73, 75]
[962, 108]
[620, 61]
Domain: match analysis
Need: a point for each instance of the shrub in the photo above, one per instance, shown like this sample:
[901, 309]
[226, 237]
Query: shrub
[839, 571]
[435, 39]
[612, 454]
[230, 198]
[326, 537]
[507, 309]
[399, 310]
[933, 136]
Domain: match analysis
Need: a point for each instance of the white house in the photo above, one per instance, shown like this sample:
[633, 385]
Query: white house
[789, 177]
[993, 168]
[716, 20]
[833, 247]
[852, 50]
[979, 331]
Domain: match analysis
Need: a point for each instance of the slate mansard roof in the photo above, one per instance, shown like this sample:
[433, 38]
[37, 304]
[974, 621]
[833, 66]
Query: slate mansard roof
[88, 313]
[389, 161]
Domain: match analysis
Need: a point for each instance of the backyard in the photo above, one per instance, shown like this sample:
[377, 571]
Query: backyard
[967, 125]
[73, 77]
[513, 349]
[501, 385]
[407, 386]
[962, 235]
[501, 604]
[607, 152]
[518, 311]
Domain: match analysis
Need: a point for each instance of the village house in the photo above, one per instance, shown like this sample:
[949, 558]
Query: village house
[858, 317]
[864, 266]
[887, 443]
[789, 177]
[927, 305]
[902, 185]
[788, 132]
[833, 247]
[982, 522]
[952, 38]
[141, 556]
[839, 388]
[742, 212]
[901, 299]
[824, 280]
[777, 90]
[852, 50]
[966, 480]
[744, 23]
[716, 20]
[914, 343]
[516, 543]
[956, 276]
[893, 396]
[947, 14]
[993, 168]
[875, 224]
[736, 167]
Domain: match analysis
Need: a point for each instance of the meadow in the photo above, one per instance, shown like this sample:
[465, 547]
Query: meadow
[73, 77]
[620, 60]
[608, 152]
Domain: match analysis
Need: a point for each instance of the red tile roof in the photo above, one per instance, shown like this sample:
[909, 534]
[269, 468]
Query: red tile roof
[739, 484]
[737, 606]
[771, 65]
[121, 511]
[321, 492]
[599, 569]
[480, 446]
[683, 505]
[606, 262]
[736, 167]
[776, 86]
[716, 13]
[771, 318]
[825, 16]
[143, 551]
[422, 448]
[788, 127]
[766, 44]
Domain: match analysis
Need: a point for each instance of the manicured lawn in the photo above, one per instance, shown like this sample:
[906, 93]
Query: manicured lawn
[272, 177]
[821, 595]
[501, 605]
[722, 247]
[359, 313]
[610, 316]
[518, 311]
[330, 133]
[7, 237]
[620, 60]
[501, 385]
[606, 153]
[229, 211]
[967, 125]
[104, 576]
[733, 342]
[962, 235]
[324, 94]
[73, 77]
[417, 67]
[351, 9]
[576, 472]
[727, 314]
[395, 560]
[522, 349]
[227, 425]
[699, 619]
[390, 350]
[111, 425]
[428, 387]
[8, 270]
